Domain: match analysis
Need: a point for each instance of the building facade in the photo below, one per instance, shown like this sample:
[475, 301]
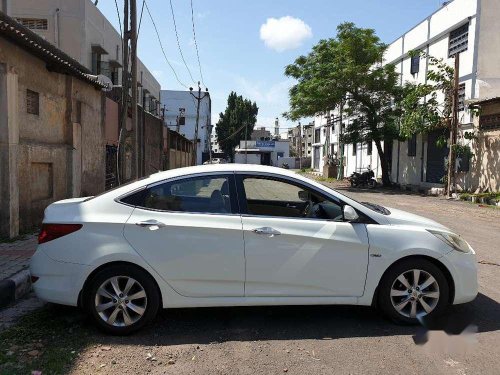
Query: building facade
[263, 152]
[52, 118]
[78, 28]
[468, 27]
[180, 112]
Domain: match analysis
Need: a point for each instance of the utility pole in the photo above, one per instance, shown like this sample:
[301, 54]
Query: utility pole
[340, 171]
[246, 147]
[300, 146]
[198, 98]
[133, 57]
[125, 81]
[454, 128]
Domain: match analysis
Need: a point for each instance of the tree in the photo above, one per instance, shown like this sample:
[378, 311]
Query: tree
[346, 72]
[429, 106]
[236, 123]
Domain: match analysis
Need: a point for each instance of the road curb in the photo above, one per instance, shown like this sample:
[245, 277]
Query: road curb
[14, 287]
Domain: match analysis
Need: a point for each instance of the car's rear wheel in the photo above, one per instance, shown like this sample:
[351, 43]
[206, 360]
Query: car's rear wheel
[121, 299]
[413, 290]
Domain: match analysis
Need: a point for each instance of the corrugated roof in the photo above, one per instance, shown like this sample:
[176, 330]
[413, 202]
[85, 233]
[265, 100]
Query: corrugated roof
[57, 60]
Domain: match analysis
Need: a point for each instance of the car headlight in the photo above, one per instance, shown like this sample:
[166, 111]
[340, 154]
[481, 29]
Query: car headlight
[454, 240]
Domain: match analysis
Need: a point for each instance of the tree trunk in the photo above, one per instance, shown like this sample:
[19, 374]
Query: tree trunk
[386, 181]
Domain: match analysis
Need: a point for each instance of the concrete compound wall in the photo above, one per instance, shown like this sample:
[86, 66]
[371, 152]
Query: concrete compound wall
[54, 155]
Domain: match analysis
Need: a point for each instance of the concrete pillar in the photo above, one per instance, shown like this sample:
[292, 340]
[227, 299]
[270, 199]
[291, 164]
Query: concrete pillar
[77, 160]
[9, 146]
[5, 6]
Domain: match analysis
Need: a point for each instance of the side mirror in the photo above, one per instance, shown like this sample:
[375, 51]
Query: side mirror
[304, 195]
[350, 213]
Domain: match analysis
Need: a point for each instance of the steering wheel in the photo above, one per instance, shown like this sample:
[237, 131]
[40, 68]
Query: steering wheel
[307, 208]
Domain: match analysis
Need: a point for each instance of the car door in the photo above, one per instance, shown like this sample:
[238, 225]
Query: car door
[288, 254]
[189, 230]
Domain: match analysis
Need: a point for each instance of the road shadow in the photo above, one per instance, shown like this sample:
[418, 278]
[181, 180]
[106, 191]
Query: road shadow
[209, 325]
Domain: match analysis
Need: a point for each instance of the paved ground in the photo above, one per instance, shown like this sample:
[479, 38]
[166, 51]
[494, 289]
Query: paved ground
[314, 340]
[15, 256]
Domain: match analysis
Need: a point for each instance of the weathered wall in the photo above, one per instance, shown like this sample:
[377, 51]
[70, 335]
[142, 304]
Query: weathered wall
[60, 151]
[153, 144]
[484, 173]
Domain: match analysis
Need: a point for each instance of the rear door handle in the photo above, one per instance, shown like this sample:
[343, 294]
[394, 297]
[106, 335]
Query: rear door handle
[151, 224]
[267, 231]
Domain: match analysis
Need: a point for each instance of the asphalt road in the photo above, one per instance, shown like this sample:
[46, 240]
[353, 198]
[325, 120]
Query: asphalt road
[324, 339]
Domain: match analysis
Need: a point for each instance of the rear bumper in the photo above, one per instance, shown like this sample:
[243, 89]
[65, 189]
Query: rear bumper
[58, 282]
[463, 268]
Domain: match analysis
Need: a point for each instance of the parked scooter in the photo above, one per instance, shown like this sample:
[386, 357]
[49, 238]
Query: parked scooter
[366, 178]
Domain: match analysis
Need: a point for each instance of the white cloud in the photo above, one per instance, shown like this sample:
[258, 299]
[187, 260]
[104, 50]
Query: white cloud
[284, 33]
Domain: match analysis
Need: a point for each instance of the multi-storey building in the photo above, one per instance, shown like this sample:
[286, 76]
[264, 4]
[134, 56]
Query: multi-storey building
[468, 27]
[78, 28]
[180, 108]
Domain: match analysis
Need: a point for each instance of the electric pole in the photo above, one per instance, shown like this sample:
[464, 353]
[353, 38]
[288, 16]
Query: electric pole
[125, 81]
[300, 146]
[133, 57]
[454, 128]
[198, 98]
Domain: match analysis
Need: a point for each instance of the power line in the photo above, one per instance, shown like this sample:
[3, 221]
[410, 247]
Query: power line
[232, 135]
[161, 47]
[119, 18]
[196, 44]
[178, 43]
[140, 19]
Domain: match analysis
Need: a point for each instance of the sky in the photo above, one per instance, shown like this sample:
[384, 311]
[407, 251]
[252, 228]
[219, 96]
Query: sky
[245, 45]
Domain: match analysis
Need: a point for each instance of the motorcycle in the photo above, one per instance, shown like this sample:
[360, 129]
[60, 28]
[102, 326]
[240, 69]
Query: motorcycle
[366, 178]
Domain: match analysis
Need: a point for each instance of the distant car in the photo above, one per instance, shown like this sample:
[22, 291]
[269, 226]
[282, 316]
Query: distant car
[240, 235]
[215, 161]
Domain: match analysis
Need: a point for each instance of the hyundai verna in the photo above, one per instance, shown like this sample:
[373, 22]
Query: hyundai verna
[240, 235]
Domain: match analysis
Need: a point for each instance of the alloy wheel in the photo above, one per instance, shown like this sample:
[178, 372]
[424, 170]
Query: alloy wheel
[120, 301]
[414, 293]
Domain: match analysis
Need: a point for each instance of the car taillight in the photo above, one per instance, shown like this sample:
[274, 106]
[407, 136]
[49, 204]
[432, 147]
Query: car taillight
[50, 232]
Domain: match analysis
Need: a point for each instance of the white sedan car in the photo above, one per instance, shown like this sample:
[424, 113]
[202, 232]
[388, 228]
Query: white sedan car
[240, 235]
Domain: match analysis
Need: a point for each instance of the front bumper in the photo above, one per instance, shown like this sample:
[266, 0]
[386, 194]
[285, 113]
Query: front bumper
[59, 282]
[463, 268]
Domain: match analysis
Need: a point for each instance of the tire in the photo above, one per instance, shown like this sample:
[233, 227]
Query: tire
[131, 310]
[396, 300]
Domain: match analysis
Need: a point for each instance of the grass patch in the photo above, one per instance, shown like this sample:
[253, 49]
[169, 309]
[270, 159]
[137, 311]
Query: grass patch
[46, 340]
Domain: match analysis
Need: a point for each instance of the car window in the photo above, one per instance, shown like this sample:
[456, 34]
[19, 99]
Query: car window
[272, 197]
[196, 194]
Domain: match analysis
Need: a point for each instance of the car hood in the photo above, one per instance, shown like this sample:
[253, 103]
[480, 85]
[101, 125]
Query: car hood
[400, 217]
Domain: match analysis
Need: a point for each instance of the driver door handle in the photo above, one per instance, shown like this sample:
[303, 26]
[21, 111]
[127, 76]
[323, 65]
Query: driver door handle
[151, 224]
[268, 231]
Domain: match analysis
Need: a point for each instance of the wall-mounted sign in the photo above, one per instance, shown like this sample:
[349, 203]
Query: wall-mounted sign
[264, 143]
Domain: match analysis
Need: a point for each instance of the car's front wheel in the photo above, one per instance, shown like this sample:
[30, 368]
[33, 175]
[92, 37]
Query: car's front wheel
[121, 299]
[412, 290]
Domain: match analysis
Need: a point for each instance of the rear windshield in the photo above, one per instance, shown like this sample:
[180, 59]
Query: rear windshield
[116, 187]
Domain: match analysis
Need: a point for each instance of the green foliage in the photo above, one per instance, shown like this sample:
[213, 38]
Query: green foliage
[346, 72]
[238, 119]
[422, 109]
[463, 150]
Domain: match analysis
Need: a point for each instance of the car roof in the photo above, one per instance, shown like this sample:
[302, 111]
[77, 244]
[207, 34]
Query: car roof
[211, 168]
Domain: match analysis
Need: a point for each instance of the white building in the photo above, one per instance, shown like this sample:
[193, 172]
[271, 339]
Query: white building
[264, 152]
[470, 27]
[78, 28]
[180, 115]
[215, 143]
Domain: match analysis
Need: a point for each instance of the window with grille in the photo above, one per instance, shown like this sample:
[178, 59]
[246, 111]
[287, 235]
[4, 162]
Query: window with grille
[34, 23]
[354, 145]
[32, 102]
[459, 39]
[412, 145]
[415, 64]
[369, 149]
[461, 97]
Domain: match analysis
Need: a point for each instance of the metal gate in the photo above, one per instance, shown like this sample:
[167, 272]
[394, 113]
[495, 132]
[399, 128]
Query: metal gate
[436, 157]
